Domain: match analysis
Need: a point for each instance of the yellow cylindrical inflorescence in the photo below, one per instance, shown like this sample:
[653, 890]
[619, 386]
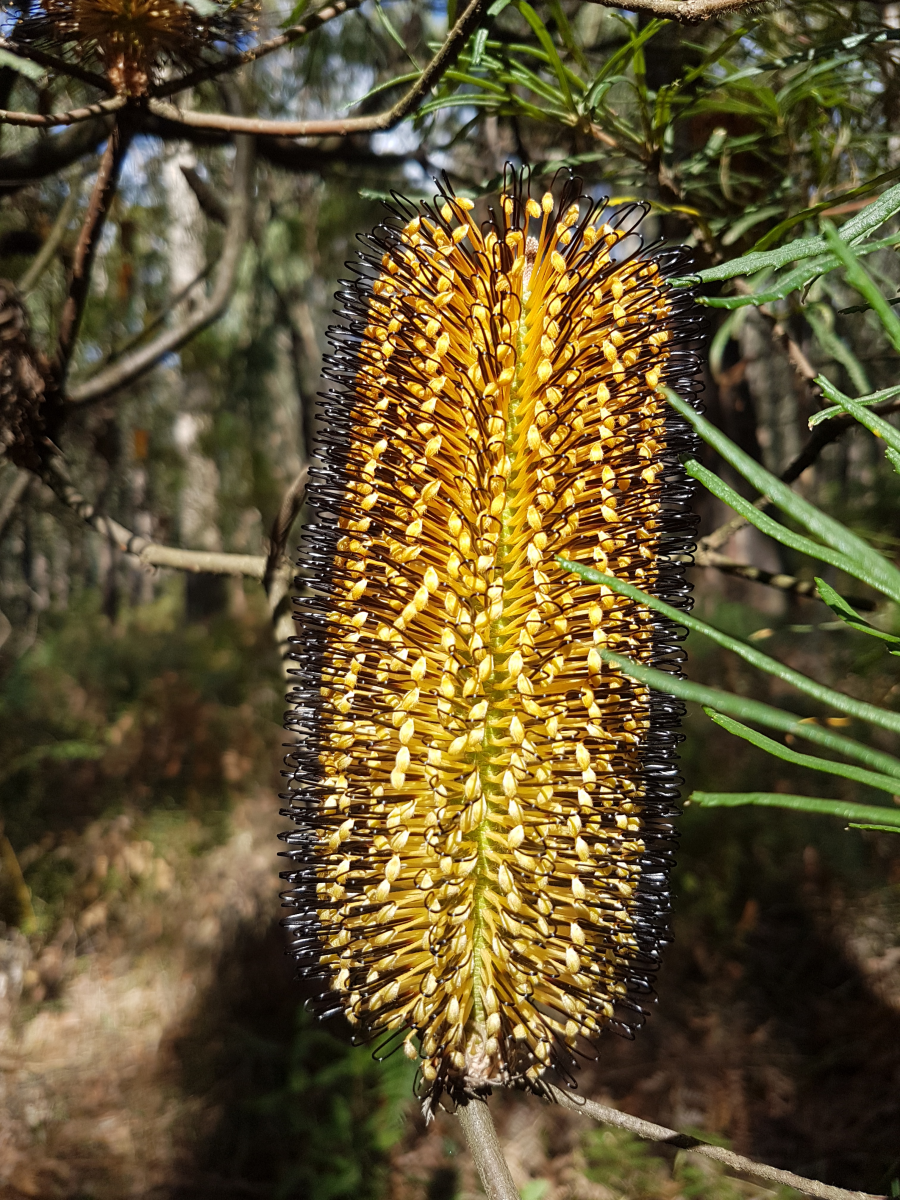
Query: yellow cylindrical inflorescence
[483, 803]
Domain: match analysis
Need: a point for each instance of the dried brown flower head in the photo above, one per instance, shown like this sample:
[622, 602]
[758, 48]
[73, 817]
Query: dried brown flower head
[134, 40]
[29, 400]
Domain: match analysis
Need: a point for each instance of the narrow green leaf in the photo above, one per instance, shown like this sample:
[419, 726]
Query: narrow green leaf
[893, 458]
[873, 398]
[878, 425]
[757, 711]
[546, 41]
[880, 573]
[883, 783]
[877, 828]
[636, 40]
[852, 231]
[859, 278]
[401, 80]
[886, 206]
[810, 804]
[478, 44]
[740, 227]
[881, 717]
[809, 269]
[765, 524]
[753, 710]
[864, 189]
[842, 609]
[478, 81]
[565, 32]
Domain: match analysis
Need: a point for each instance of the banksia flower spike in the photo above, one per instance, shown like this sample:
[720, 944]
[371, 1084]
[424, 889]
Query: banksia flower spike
[134, 39]
[483, 804]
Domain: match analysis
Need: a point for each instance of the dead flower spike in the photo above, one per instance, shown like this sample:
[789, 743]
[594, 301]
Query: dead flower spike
[134, 40]
[483, 805]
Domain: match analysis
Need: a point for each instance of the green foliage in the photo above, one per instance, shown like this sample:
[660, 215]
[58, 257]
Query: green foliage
[837, 545]
[631, 1168]
[342, 1110]
[724, 124]
[149, 715]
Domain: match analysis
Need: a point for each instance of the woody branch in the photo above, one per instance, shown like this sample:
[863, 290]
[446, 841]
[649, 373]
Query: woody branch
[688, 11]
[454, 42]
[92, 227]
[343, 126]
[487, 1153]
[132, 366]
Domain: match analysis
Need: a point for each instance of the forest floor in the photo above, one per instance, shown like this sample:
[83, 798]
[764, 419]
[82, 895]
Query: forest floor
[127, 1053]
[153, 1043]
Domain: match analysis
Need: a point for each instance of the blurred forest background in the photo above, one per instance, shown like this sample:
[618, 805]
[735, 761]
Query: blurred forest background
[153, 1042]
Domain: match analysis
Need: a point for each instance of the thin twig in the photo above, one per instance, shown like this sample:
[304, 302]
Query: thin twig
[80, 282]
[791, 584]
[45, 255]
[14, 494]
[689, 11]
[132, 366]
[684, 1141]
[315, 20]
[158, 317]
[478, 1126]
[56, 476]
[279, 570]
[72, 117]
[58, 65]
[342, 126]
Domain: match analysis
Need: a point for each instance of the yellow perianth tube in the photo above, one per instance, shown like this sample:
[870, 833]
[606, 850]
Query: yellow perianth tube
[482, 801]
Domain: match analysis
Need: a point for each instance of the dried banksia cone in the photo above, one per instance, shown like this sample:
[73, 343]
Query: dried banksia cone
[484, 805]
[134, 39]
[29, 399]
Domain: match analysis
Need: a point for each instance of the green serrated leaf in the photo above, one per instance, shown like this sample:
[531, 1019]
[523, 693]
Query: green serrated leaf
[852, 231]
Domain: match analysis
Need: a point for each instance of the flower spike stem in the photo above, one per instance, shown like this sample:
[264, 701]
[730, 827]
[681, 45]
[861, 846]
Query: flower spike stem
[481, 1135]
